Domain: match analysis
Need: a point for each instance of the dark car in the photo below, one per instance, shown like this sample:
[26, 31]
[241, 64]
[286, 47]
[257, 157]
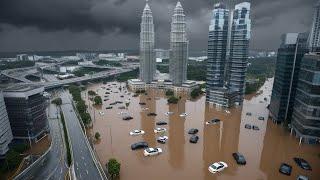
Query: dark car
[135, 95]
[285, 169]
[122, 107]
[239, 158]
[302, 163]
[121, 96]
[213, 121]
[119, 102]
[193, 131]
[139, 145]
[194, 139]
[247, 126]
[109, 107]
[261, 118]
[248, 113]
[106, 100]
[107, 93]
[161, 123]
[127, 118]
[255, 128]
[301, 177]
[142, 103]
[151, 114]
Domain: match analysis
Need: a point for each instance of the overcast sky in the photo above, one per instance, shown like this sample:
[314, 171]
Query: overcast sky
[36, 25]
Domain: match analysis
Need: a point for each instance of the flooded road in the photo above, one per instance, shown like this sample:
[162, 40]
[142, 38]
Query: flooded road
[264, 150]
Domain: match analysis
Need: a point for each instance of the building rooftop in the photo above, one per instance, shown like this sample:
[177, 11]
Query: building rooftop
[22, 87]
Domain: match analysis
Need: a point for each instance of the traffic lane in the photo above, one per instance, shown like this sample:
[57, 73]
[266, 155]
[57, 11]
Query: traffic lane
[84, 164]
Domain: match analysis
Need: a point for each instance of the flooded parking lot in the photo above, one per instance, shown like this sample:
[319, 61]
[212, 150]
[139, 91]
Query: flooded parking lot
[264, 149]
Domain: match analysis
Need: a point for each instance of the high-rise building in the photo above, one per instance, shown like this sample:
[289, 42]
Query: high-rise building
[178, 47]
[306, 111]
[228, 49]
[290, 54]
[314, 38]
[5, 129]
[147, 55]
[26, 107]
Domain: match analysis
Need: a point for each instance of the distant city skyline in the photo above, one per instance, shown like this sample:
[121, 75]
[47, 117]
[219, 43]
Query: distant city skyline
[114, 24]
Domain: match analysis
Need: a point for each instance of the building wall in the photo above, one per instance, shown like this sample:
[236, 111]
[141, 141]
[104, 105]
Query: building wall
[5, 129]
[306, 111]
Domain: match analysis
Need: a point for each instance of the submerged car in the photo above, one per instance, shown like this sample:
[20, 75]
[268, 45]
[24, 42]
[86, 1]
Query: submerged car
[160, 123]
[239, 158]
[261, 118]
[142, 103]
[217, 167]
[183, 115]
[247, 126]
[256, 128]
[194, 139]
[127, 118]
[302, 163]
[152, 151]
[193, 131]
[301, 177]
[213, 121]
[122, 107]
[285, 169]
[168, 113]
[162, 139]
[109, 107]
[136, 132]
[248, 113]
[159, 130]
[152, 114]
[139, 145]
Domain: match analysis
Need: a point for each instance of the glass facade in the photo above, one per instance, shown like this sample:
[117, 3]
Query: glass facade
[228, 48]
[290, 54]
[5, 129]
[306, 111]
[27, 116]
[147, 54]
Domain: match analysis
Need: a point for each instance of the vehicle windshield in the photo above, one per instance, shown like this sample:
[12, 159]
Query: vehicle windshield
[150, 150]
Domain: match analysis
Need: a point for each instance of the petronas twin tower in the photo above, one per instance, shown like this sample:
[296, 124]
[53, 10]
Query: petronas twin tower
[178, 47]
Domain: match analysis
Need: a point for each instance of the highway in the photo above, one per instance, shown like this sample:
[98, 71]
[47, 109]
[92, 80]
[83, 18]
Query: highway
[84, 161]
[55, 166]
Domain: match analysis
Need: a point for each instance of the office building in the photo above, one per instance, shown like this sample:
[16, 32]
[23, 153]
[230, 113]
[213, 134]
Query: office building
[26, 107]
[228, 50]
[162, 53]
[314, 38]
[178, 47]
[290, 54]
[147, 55]
[22, 57]
[5, 129]
[306, 111]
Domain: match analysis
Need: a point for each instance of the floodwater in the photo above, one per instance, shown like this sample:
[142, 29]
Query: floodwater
[264, 150]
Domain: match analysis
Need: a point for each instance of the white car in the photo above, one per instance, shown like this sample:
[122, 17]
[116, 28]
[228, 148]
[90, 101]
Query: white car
[217, 167]
[101, 113]
[162, 139]
[183, 115]
[123, 112]
[152, 151]
[136, 132]
[145, 109]
[159, 130]
[168, 113]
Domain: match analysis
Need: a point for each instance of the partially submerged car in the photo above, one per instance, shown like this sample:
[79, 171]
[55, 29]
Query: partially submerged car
[194, 139]
[261, 118]
[139, 145]
[162, 139]
[109, 107]
[248, 126]
[217, 167]
[160, 123]
[159, 130]
[151, 114]
[213, 121]
[302, 163]
[183, 115]
[152, 151]
[127, 118]
[239, 158]
[142, 103]
[168, 113]
[248, 113]
[285, 169]
[136, 132]
[256, 128]
[193, 131]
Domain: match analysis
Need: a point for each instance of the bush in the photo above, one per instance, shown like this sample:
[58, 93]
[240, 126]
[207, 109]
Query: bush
[92, 93]
[69, 157]
[97, 135]
[13, 159]
[173, 100]
[195, 93]
[20, 148]
[169, 93]
[97, 100]
[57, 101]
[113, 167]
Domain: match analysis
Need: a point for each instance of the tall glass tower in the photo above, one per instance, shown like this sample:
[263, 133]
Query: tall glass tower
[147, 56]
[228, 48]
[314, 39]
[178, 47]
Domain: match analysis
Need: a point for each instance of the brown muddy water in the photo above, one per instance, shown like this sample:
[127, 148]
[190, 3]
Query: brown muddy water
[264, 150]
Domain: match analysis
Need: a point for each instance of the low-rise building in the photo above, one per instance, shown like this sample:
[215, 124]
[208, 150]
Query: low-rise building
[26, 107]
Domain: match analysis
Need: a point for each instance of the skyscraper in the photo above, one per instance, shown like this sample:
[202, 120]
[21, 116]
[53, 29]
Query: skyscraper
[290, 54]
[178, 47]
[147, 56]
[306, 111]
[5, 129]
[314, 38]
[228, 48]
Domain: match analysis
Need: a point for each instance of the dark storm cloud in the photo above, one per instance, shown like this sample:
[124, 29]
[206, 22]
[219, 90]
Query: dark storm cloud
[92, 24]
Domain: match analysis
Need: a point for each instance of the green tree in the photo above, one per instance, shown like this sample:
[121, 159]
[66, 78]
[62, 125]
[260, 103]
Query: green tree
[13, 159]
[173, 100]
[113, 167]
[127, 104]
[97, 135]
[57, 101]
[97, 100]
[92, 93]
[195, 93]
[169, 92]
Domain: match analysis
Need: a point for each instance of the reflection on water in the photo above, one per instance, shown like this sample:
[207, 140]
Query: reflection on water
[264, 149]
